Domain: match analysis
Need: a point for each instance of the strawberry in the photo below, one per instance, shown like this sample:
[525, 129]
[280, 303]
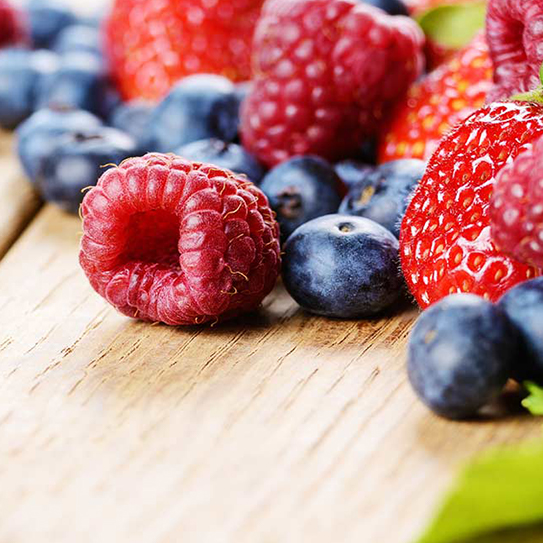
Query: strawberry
[441, 100]
[446, 244]
[154, 43]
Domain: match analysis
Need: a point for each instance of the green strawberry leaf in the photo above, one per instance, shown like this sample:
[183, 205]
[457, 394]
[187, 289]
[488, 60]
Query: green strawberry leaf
[534, 401]
[453, 25]
[497, 493]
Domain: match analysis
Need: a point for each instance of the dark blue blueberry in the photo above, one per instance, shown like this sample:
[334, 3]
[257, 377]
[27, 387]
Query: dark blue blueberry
[368, 152]
[524, 307]
[94, 21]
[38, 135]
[392, 7]
[79, 37]
[109, 101]
[460, 355]
[382, 194]
[301, 189]
[80, 82]
[343, 267]
[20, 73]
[47, 19]
[199, 107]
[18, 78]
[225, 155]
[134, 118]
[353, 172]
[77, 162]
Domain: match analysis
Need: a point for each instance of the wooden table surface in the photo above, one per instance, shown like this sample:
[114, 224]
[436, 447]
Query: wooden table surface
[281, 427]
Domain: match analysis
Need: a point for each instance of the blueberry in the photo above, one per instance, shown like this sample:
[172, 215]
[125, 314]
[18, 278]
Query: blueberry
[353, 172]
[460, 354]
[524, 307]
[301, 189]
[226, 155]
[392, 7]
[368, 152]
[47, 19]
[80, 82]
[77, 161]
[343, 267]
[18, 78]
[20, 73]
[382, 194]
[38, 135]
[134, 118]
[79, 37]
[198, 107]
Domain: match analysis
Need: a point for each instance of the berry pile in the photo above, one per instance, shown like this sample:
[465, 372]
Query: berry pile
[225, 142]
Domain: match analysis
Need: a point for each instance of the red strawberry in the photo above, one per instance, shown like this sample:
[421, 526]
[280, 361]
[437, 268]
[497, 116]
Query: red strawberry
[154, 43]
[171, 241]
[514, 30]
[441, 100]
[12, 26]
[445, 239]
[517, 207]
[325, 70]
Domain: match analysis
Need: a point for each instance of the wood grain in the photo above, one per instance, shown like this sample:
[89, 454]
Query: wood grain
[277, 428]
[18, 201]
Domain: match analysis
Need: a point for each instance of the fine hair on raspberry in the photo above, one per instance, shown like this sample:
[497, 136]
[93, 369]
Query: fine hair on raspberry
[167, 240]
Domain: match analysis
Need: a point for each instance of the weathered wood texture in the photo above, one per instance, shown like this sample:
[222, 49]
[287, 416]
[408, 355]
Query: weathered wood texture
[277, 428]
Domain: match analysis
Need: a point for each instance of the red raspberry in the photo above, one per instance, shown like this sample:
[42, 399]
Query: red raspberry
[514, 33]
[12, 25]
[325, 72]
[446, 246]
[154, 43]
[517, 207]
[166, 240]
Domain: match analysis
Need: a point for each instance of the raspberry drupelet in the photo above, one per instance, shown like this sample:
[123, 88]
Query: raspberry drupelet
[168, 240]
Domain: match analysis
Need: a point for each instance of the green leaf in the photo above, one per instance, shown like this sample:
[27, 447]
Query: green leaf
[534, 401]
[501, 490]
[454, 25]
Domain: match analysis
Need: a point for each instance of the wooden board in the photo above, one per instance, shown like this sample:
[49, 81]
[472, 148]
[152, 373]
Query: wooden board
[277, 428]
[18, 201]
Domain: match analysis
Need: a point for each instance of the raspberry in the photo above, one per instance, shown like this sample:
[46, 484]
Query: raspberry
[325, 73]
[12, 27]
[514, 31]
[517, 207]
[167, 240]
[446, 246]
[154, 43]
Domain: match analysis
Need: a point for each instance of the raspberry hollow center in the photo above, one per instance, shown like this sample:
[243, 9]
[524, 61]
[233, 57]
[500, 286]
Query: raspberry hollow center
[152, 237]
